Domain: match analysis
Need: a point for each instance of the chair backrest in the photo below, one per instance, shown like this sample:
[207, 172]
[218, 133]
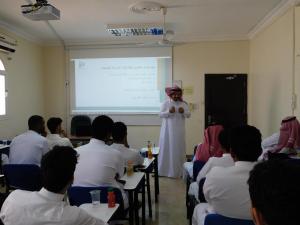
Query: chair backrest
[81, 125]
[216, 219]
[197, 166]
[80, 195]
[23, 176]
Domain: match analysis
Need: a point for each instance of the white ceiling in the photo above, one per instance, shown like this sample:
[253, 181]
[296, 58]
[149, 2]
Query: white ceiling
[84, 21]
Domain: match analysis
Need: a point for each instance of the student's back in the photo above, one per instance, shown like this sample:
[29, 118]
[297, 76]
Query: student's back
[98, 164]
[28, 148]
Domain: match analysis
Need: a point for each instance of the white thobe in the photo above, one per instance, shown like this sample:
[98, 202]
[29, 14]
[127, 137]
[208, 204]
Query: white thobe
[42, 208]
[55, 139]
[98, 165]
[28, 148]
[227, 193]
[172, 139]
[224, 161]
[129, 154]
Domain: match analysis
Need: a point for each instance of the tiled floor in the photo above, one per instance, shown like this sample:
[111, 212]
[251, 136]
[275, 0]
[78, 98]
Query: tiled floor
[170, 209]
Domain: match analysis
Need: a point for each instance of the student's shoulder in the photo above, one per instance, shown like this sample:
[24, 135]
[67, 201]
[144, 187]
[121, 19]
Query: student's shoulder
[18, 194]
[218, 172]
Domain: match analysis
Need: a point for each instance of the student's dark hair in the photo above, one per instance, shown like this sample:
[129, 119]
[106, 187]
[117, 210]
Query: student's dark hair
[245, 143]
[102, 127]
[274, 191]
[35, 122]
[224, 139]
[58, 166]
[53, 123]
[119, 131]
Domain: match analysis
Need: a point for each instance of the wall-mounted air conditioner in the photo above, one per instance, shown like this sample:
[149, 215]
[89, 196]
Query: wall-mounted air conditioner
[7, 43]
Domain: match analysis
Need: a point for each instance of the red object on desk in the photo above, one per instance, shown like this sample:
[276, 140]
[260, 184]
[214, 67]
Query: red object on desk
[111, 199]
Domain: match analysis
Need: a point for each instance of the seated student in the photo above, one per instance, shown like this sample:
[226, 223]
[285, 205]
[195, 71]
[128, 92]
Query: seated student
[209, 148]
[224, 161]
[29, 147]
[226, 189]
[119, 134]
[99, 164]
[274, 192]
[56, 136]
[47, 206]
[289, 138]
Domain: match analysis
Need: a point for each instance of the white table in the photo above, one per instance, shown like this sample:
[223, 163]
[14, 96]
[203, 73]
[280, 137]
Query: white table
[101, 211]
[3, 146]
[155, 150]
[133, 185]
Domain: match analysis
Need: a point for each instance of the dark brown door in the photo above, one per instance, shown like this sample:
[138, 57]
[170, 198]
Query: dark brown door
[226, 99]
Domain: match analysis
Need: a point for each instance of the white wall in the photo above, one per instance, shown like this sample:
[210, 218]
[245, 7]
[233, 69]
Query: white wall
[271, 75]
[25, 84]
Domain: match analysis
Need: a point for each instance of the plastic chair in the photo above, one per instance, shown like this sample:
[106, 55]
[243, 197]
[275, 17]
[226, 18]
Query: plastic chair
[81, 125]
[216, 219]
[22, 176]
[80, 195]
[197, 166]
[200, 193]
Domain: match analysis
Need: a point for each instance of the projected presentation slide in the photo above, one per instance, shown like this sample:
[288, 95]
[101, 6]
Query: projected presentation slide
[124, 85]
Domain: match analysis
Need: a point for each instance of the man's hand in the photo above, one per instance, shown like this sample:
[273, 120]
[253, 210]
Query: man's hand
[172, 109]
[181, 110]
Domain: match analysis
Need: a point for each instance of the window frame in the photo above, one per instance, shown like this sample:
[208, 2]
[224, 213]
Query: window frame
[4, 74]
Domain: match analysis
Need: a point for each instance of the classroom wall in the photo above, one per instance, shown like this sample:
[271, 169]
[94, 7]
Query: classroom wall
[25, 84]
[191, 62]
[271, 75]
[55, 95]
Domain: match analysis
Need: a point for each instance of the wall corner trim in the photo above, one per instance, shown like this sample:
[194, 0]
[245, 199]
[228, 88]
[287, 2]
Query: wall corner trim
[274, 14]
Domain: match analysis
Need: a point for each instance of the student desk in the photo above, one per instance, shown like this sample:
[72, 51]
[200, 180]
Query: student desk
[155, 153]
[133, 184]
[101, 211]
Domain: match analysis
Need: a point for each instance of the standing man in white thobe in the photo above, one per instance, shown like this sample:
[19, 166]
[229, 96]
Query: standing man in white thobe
[172, 134]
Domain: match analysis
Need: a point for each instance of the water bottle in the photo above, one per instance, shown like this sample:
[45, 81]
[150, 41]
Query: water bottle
[149, 145]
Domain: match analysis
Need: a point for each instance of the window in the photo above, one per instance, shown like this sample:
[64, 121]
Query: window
[2, 89]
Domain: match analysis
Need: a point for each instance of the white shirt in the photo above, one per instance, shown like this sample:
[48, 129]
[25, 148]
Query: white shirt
[98, 165]
[55, 139]
[129, 154]
[227, 193]
[224, 161]
[28, 148]
[42, 208]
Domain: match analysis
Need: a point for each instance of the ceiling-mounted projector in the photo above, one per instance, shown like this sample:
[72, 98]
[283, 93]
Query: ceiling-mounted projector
[41, 10]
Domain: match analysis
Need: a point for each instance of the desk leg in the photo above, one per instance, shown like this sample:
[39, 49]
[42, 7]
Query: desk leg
[143, 202]
[156, 184]
[131, 207]
[149, 194]
[136, 206]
